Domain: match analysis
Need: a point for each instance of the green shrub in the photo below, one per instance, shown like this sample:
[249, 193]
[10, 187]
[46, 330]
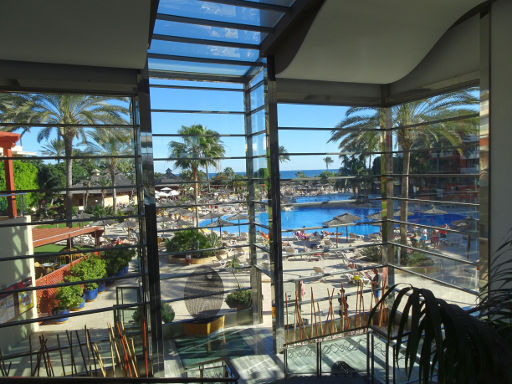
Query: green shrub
[372, 254]
[167, 313]
[239, 298]
[419, 259]
[117, 258]
[98, 211]
[193, 239]
[69, 296]
[90, 268]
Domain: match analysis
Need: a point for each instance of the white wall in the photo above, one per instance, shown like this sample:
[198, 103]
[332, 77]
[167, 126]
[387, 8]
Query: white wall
[16, 241]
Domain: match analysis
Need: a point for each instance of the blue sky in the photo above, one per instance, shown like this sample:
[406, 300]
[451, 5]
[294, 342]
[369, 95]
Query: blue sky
[288, 114]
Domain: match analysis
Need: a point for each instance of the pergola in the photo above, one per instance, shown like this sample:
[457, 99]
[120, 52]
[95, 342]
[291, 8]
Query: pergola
[7, 142]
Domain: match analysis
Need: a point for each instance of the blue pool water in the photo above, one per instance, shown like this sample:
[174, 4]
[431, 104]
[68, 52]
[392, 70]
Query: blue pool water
[300, 217]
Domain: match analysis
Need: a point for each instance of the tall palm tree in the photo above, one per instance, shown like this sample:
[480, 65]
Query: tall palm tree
[328, 160]
[364, 123]
[110, 142]
[74, 111]
[213, 149]
[197, 149]
[55, 148]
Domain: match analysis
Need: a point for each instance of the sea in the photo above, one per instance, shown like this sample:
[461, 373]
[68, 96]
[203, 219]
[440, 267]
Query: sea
[288, 174]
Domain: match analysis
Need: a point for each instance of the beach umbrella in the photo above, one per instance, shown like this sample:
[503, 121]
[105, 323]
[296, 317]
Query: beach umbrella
[397, 213]
[174, 193]
[434, 211]
[180, 211]
[166, 189]
[238, 216]
[212, 215]
[342, 220]
[375, 216]
[181, 223]
[219, 223]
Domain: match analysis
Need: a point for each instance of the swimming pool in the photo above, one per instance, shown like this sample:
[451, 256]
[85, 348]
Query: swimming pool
[315, 216]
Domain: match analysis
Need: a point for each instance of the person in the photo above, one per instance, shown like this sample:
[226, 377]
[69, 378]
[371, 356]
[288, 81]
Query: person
[343, 311]
[424, 235]
[302, 290]
[435, 238]
[376, 284]
[304, 235]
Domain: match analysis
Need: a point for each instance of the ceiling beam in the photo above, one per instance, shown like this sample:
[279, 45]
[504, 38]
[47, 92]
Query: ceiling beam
[213, 23]
[191, 40]
[253, 4]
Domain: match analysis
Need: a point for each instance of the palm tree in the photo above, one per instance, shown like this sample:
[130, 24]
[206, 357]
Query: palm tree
[74, 111]
[110, 142]
[213, 149]
[328, 160]
[364, 122]
[197, 149]
[54, 148]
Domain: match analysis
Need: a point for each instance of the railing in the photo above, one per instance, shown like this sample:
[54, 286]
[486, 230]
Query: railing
[343, 353]
[218, 368]
[46, 297]
[384, 365]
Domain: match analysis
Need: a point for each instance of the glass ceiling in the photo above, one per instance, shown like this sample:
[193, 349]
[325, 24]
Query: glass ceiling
[212, 37]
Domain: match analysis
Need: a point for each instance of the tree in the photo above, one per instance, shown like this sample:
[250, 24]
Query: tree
[352, 166]
[328, 160]
[112, 143]
[25, 177]
[66, 114]
[213, 149]
[358, 131]
[197, 149]
[283, 154]
[50, 176]
[54, 148]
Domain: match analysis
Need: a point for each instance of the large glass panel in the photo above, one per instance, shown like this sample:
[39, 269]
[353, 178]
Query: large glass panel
[198, 68]
[219, 12]
[71, 214]
[164, 27]
[204, 223]
[204, 51]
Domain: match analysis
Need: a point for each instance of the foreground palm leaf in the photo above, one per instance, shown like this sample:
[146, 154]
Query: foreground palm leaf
[443, 340]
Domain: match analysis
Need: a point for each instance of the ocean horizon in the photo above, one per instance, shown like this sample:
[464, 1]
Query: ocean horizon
[292, 174]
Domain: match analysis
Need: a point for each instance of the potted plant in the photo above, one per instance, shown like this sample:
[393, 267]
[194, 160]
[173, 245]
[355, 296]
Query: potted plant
[239, 299]
[166, 312]
[194, 239]
[91, 268]
[117, 259]
[457, 345]
[68, 297]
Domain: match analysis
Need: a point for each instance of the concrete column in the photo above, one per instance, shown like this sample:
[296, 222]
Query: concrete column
[499, 124]
[16, 240]
[9, 183]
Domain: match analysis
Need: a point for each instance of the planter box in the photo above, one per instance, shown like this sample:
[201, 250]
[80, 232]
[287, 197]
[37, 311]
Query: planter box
[203, 328]
[61, 312]
[82, 304]
[91, 295]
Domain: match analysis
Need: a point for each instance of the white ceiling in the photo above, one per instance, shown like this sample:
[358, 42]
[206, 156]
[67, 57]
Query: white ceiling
[106, 33]
[372, 41]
